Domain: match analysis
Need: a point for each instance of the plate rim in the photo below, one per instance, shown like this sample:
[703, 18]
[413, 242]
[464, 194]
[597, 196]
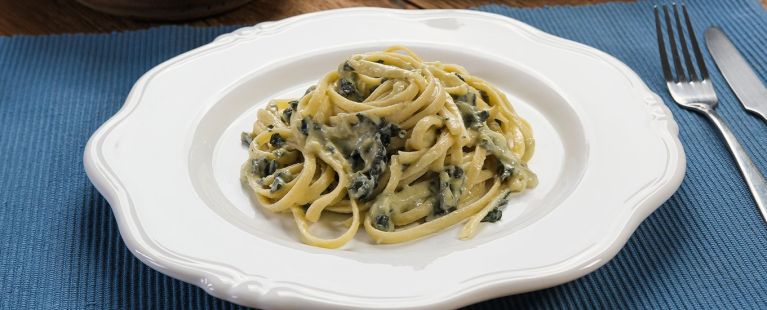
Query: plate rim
[220, 284]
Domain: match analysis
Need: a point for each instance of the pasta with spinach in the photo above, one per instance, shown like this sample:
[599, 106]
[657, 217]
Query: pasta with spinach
[402, 147]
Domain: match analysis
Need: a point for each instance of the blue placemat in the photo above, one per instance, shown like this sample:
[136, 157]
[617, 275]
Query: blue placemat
[60, 248]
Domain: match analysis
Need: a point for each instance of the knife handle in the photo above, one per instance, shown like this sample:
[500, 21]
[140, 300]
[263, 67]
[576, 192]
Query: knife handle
[754, 179]
[761, 113]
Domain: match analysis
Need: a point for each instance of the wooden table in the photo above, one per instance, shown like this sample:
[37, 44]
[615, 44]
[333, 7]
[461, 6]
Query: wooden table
[68, 16]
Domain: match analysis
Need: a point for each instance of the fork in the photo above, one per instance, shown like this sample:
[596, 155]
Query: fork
[694, 91]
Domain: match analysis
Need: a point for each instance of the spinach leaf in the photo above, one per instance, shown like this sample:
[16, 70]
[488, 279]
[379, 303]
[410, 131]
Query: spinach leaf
[368, 155]
[382, 222]
[304, 127]
[262, 167]
[496, 214]
[280, 179]
[493, 216]
[469, 97]
[347, 67]
[288, 112]
[310, 89]
[484, 96]
[276, 140]
[347, 83]
[471, 117]
[496, 145]
[448, 187]
[347, 89]
[246, 138]
[381, 214]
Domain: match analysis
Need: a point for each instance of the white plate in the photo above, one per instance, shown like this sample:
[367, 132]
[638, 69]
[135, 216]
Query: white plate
[608, 155]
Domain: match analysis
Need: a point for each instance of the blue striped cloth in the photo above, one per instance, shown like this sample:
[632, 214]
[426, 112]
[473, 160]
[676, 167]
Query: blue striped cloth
[59, 245]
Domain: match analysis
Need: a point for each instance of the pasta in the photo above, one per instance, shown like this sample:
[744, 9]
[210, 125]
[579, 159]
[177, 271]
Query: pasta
[402, 147]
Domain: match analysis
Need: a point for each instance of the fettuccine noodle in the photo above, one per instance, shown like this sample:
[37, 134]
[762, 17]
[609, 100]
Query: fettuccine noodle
[403, 147]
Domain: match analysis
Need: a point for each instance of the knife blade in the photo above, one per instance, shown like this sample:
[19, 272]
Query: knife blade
[738, 73]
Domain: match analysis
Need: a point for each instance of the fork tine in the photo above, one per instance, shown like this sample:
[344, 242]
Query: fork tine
[683, 43]
[681, 77]
[662, 47]
[694, 43]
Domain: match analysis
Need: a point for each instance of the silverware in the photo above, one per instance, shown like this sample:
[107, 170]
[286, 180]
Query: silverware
[695, 92]
[737, 72]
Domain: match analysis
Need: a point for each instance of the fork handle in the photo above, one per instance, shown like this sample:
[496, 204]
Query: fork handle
[754, 178]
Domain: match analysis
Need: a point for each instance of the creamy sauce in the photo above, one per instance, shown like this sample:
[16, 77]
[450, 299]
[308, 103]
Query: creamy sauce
[414, 146]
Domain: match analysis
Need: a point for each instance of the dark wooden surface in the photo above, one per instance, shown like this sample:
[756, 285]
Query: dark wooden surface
[68, 16]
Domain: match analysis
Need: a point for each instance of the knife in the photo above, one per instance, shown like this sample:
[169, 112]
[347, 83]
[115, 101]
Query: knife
[742, 79]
